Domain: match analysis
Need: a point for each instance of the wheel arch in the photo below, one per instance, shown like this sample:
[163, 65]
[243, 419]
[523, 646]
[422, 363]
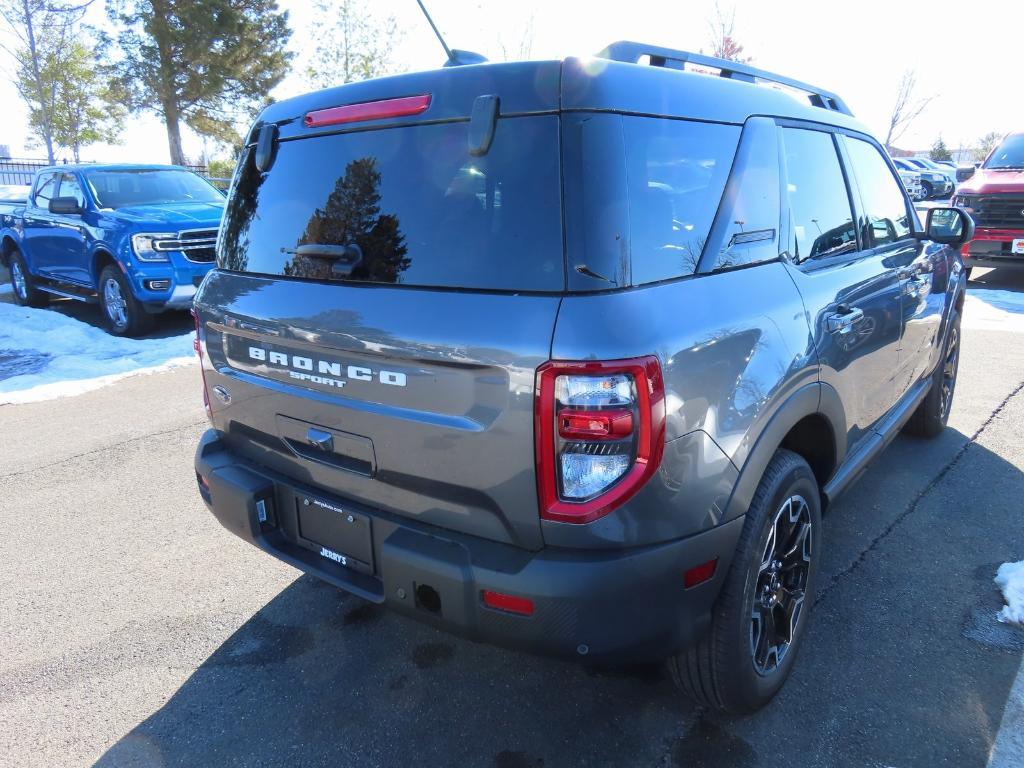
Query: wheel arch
[101, 258]
[811, 423]
[8, 245]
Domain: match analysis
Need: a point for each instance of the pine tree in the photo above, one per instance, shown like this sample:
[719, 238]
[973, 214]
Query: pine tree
[207, 63]
[940, 151]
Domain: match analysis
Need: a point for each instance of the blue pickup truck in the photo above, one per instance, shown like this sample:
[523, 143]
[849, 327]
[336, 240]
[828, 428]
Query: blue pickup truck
[137, 239]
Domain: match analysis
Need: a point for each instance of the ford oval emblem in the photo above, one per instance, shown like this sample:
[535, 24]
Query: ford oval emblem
[222, 394]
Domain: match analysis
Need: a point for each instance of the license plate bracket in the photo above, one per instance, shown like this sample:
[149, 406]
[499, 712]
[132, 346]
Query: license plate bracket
[335, 533]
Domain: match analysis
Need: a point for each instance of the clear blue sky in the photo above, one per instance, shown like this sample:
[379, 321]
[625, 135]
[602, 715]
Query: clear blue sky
[966, 56]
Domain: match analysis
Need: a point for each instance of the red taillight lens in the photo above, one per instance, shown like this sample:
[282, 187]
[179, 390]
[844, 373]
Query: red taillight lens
[197, 345]
[600, 433]
[521, 605]
[370, 110]
[595, 425]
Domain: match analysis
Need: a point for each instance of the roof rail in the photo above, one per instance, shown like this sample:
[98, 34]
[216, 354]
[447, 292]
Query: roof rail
[631, 52]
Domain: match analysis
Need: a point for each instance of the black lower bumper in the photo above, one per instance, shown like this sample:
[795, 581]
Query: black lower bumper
[620, 606]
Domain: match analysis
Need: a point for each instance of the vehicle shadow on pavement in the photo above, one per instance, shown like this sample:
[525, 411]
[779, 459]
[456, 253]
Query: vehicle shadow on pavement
[903, 664]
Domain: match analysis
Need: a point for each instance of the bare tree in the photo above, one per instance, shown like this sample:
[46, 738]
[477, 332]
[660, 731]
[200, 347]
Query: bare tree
[907, 109]
[524, 49]
[40, 30]
[353, 43]
[723, 37]
[986, 144]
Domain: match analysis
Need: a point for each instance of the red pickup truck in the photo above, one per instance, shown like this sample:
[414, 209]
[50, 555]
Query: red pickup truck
[994, 196]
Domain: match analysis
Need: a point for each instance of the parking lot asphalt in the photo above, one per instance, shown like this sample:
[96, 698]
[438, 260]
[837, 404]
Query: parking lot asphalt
[136, 631]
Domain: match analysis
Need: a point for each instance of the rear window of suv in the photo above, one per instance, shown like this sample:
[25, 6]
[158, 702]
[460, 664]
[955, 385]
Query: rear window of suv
[407, 206]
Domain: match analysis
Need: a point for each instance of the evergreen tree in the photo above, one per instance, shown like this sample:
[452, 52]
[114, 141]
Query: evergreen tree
[940, 151]
[207, 63]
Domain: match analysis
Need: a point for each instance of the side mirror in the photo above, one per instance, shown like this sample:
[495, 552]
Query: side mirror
[950, 226]
[963, 174]
[65, 205]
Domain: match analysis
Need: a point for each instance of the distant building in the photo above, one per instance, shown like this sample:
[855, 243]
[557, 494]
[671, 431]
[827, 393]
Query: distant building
[5, 151]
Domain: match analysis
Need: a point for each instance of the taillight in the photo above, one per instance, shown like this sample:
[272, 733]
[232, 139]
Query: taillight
[197, 345]
[600, 430]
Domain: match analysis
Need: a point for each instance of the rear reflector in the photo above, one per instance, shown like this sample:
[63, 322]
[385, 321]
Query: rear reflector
[521, 605]
[370, 110]
[700, 573]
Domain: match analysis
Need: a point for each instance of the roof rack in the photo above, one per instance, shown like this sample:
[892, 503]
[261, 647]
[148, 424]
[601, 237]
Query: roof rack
[631, 53]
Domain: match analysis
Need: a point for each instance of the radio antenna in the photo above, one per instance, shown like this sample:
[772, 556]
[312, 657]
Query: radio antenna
[433, 26]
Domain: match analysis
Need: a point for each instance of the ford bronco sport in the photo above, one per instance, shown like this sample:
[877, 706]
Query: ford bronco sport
[570, 356]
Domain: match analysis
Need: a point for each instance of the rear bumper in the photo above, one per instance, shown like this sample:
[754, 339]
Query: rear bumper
[613, 607]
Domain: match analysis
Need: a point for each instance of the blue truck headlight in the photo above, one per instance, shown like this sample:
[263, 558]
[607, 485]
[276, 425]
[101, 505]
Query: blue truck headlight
[147, 246]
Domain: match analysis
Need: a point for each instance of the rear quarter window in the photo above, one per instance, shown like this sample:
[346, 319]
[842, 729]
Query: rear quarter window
[641, 196]
[418, 209]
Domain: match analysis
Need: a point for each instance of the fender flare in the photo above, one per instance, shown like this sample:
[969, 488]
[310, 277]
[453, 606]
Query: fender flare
[817, 399]
[7, 235]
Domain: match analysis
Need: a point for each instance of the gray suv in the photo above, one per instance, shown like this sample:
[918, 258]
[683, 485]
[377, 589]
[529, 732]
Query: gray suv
[570, 356]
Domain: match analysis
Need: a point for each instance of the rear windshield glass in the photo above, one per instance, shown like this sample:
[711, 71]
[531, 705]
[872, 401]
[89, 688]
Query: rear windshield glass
[122, 189]
[405, 205]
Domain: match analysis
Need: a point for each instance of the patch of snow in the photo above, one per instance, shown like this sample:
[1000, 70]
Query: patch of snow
[989, 309]
[78, 357]
[6, 288]
[1010, 579]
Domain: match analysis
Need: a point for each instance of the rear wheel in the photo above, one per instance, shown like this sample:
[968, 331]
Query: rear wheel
[932, 414]
[25, 292]
[762, 612]
[124, 314]
[926, 190]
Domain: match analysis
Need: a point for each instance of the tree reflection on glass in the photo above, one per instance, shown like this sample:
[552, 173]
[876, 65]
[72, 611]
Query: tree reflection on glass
[352, 216]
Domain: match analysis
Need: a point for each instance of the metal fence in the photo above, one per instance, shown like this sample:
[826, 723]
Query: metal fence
[21, 170]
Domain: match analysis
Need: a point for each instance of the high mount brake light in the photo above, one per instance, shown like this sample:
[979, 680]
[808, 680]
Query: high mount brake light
[370, 110]
[600, 432]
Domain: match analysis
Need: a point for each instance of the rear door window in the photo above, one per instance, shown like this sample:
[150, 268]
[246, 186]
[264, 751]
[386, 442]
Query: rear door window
[407, 206]
[819, 204]
[45, 190]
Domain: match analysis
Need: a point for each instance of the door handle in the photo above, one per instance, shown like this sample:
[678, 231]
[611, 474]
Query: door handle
[915, 287]
[844, 320]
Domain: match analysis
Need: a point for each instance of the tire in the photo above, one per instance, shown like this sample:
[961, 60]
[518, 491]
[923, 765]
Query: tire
[25, 292]
[733, 669]
[926, 190]
[123, 313]
[932, 414]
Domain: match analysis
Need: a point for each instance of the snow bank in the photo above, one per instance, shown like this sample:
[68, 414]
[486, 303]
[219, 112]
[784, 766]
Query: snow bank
[994, 310]
[46, 355]
[1010, 579]
[6, 288]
